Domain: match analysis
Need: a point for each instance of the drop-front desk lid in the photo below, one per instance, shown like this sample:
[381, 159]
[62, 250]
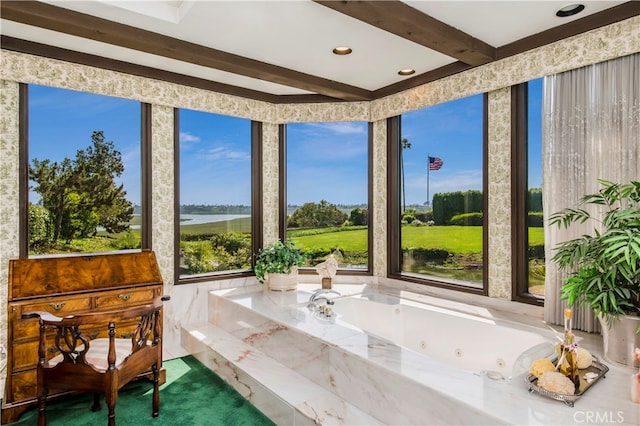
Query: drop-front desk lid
[77, 273]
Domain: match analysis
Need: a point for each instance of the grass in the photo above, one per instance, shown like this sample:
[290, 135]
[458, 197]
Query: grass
[351, 241]
[455, 239]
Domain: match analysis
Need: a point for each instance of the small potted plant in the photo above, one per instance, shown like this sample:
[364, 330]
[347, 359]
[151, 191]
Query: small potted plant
[277, 265]
[605, 265]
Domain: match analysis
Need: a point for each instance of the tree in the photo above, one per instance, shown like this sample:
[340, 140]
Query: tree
[359, 216]
[82, 194]
[40, 232]
[322, 215]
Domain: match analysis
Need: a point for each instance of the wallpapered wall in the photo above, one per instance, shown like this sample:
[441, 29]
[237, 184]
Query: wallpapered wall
[612, 41]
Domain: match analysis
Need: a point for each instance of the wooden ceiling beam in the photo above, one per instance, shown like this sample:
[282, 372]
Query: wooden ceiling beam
[66, 21]
[590, 22]
[404, 21]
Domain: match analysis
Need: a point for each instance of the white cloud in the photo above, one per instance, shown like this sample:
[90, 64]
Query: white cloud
[224, 153]
[188, 138]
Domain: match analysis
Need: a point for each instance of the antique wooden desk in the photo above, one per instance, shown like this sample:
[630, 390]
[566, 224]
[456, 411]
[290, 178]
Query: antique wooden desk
[63, 286]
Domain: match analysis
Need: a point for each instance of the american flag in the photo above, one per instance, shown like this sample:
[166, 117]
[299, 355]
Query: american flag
[435, 163]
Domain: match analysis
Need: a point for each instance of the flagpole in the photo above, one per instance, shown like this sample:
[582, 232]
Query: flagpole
[428, 168]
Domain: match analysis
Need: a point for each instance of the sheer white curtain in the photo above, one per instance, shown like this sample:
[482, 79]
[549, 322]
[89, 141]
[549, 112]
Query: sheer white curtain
[591, 131]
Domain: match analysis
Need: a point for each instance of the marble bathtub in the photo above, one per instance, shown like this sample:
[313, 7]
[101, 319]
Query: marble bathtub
[456, 338]
[299, 368]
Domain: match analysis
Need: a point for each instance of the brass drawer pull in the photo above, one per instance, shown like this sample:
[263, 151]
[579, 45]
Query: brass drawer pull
[126, 335]
[57, 306]
[125, 296]
[53, 350]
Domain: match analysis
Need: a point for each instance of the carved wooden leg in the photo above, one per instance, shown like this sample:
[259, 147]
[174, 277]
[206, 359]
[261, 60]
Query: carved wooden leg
[96, 402]
[156, 392]
[111, 397]
[42, 398]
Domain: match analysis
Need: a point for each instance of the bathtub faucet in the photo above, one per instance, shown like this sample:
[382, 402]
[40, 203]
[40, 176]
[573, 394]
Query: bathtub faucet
[320, 295]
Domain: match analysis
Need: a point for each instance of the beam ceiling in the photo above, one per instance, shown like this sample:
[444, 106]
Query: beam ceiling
[404, 21]
[79, 24]
[392, 16]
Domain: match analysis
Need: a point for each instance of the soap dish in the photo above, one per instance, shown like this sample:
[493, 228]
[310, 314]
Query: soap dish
[597, 369]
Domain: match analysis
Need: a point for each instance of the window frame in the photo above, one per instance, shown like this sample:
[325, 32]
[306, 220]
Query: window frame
[256, 207]
[23, 174]
[519, 190]
[282, 214]
[394, 206]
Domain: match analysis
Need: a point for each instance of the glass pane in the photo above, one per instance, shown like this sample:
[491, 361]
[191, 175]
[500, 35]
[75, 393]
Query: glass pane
[534, 199]
[85, 172]
[327, 191]
[215, 193]
[441, 203]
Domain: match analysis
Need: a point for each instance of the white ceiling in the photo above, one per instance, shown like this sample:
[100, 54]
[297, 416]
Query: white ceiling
[300, 35]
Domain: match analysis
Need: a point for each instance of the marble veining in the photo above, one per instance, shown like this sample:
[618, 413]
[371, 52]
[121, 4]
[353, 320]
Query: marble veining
[389, 382]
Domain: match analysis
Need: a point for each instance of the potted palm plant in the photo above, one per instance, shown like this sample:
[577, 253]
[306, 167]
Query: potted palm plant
[277, 265]
[605, 265]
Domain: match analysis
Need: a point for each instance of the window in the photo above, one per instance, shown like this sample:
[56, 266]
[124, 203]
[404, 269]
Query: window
[215, 195]
[327, 192]
[83, 166]
[528, 254]
[437, 194]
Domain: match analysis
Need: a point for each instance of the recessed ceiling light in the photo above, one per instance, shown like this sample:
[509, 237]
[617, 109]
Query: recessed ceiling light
[570, 10]
[342, 50]
[407, 71]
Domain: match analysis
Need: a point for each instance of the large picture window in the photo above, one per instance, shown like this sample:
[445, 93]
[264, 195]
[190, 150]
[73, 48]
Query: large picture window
[440, 201]
[327, 195]
[215, 194]
[529, 248]
[535, 218]
[84, 172]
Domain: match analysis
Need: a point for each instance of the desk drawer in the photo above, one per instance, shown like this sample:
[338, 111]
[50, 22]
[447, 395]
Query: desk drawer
[23, 386]
[25, 355]
[126, 297]
[60, 307]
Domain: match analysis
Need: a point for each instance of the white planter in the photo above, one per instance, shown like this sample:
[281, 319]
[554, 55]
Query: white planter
[283, 282]
[621, 339]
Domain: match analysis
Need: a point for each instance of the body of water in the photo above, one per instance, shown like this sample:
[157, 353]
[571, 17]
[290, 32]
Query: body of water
[198, 219]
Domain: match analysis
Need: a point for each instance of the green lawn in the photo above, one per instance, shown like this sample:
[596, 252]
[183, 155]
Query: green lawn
[351, 241]
[455, 239]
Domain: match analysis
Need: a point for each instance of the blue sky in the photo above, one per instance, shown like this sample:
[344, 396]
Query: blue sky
[62, 121]
[535, 133]
[451, 131]
[215, 159]
[325, 160]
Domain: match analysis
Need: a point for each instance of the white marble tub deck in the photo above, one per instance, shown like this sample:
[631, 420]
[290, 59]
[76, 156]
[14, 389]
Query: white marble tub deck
[374, 374]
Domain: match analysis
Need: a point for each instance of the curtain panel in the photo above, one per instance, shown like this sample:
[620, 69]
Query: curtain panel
[591, 131]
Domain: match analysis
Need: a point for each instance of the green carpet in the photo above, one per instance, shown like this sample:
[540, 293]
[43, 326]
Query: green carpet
[192, 396]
